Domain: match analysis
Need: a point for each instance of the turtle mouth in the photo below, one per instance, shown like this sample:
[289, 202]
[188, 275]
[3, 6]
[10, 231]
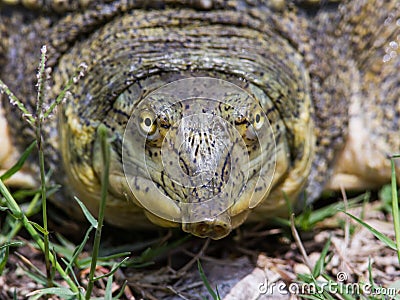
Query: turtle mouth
[204, 211]
[215, 228]
[202, 219]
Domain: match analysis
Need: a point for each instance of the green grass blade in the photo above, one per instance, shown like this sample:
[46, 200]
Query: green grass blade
[395, 288]
[12, 244]
[18, 165]
[309, 218]
[62, 292]
[11, 203]
[78, 250]
[323, 213]
[114, 256]
[23, 194]
[370, 277]
[121, 292]
[305, 277]
[205, 281]
[147, 256]
[320, 264]
[395, 208]
[312, 297]
[105, 152]
[39, 228]
[108, 291]
[113, 270]
[34, 273]
[65, 248]
[16, 210]
[385, 195]
[104, 261]
[34, 207]
[377, 234]
[218, 295]
[4, 252]
[92, 220]
[288, 203]
[325, 293]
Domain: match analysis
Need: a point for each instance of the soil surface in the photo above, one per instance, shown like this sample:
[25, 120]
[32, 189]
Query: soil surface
[254, 262]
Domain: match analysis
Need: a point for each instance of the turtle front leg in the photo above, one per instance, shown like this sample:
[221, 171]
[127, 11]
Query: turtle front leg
[9, 155]
[374, 126]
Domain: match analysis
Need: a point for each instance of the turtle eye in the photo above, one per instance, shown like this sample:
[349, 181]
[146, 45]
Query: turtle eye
[147, 122]
[259, 119]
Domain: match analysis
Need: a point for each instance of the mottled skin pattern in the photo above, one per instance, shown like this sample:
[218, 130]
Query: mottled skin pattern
[326, 77]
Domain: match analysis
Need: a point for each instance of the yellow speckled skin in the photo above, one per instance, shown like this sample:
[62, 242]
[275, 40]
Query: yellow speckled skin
[326, 76]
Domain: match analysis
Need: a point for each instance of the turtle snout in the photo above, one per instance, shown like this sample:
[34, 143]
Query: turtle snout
[215, 229]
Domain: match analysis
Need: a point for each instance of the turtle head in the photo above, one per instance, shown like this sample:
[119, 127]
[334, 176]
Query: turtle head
[195, 152]
[199, 152]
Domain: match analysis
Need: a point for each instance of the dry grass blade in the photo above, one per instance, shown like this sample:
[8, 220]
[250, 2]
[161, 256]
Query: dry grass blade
[299, 243]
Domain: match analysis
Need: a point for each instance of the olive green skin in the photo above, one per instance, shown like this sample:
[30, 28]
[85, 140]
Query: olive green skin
[329, 76]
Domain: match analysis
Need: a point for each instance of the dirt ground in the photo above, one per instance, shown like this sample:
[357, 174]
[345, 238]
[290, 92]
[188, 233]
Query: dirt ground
[254, 262]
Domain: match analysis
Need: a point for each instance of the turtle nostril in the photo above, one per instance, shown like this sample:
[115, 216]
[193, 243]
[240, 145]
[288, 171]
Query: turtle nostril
[202, 228]
[220, 230]
[215, 228]
[214, 231]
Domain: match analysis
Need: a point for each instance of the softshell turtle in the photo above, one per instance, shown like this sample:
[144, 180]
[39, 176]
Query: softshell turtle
[218, 110]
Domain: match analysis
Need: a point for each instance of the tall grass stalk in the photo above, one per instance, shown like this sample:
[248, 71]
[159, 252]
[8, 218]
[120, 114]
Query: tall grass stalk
[36, 122]
[17, 213]
[105, 154]
[18, 225]
[39, 120]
